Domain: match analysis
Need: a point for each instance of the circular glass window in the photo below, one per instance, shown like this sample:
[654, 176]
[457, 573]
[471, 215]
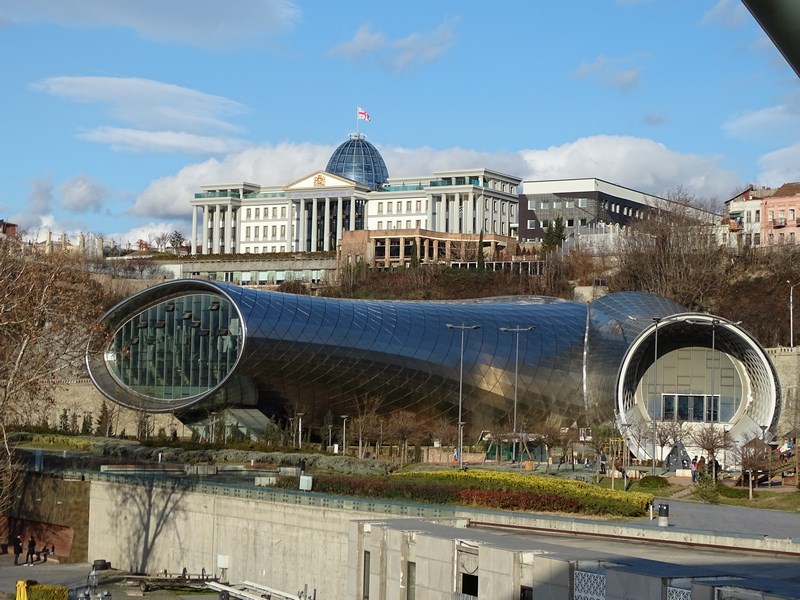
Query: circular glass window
[178, 348]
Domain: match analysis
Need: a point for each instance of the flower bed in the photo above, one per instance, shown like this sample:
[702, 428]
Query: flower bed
[486, 489]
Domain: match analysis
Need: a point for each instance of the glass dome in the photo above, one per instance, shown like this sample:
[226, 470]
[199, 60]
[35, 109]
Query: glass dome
[360, 161]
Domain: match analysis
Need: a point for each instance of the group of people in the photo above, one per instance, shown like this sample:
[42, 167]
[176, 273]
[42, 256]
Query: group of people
[32, 553]
[700, 467]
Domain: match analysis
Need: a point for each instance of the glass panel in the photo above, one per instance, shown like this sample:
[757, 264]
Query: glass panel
[178, 348]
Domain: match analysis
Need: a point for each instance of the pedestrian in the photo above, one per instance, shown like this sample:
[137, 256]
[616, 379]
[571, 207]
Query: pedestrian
[455, 455]
[701, 467]
[31, 555]
[17, 549]
[693, 468]
[603, 460]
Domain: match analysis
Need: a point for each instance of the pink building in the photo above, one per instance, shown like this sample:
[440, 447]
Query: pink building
[781, 216]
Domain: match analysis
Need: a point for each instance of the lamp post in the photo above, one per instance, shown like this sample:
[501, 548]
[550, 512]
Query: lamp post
[791, 311]
[714, 405]
[344, 435]
[330, 436]
[300, 430]
[463, 328]
[656, 320]
[516, 331]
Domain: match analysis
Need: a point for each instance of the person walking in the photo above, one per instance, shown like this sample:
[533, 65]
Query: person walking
[693, 469]
[603, 461]
[17, 549]
[31, 555]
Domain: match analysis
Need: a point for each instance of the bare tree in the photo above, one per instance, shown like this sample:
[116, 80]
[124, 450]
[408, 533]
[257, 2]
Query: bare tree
[753, 454]
[712, 439]
[674, 254]
[159, 239]
[403, 425]
[367, 423]
[49, 305]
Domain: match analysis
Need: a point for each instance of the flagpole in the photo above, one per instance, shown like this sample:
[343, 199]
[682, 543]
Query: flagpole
[357, 119]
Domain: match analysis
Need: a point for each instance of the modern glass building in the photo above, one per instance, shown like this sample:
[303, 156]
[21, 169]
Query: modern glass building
[200, 348]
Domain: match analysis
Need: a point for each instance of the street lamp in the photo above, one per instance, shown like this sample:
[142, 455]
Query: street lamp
[300, 430]
[791, 311]
[463, 328]
[714, 323]
[516, 331]
[656, 320]
[344, 435]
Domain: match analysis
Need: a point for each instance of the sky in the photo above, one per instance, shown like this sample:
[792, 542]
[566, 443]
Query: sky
[117, 111]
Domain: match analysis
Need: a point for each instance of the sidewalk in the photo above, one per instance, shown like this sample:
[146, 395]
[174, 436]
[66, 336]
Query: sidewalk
[51, 572]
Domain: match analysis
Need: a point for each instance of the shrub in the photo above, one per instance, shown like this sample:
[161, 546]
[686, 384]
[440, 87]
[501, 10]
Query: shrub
[707, 489]
[47, 592]
[729, 492]
[653, 482]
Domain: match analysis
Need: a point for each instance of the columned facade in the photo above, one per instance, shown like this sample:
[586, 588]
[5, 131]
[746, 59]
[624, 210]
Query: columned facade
[313, 213]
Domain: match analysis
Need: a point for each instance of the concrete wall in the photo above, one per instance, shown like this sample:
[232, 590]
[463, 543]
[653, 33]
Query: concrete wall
[282, 544]
[80, 396]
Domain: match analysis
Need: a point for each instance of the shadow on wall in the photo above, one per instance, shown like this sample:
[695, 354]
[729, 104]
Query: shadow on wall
[143, 512]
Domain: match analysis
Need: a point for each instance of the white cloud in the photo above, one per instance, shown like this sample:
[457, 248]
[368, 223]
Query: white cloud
[781, 166]
[166, 117]
[615, 72]
[728, 14]
[37, 205]
[415, 49]
[205, 23]
[423, 47]
[637, 163]
[632, 162]
[136, 140]
[83, 194]
[148, 104]
[270, 165]
[364, 42]
[775, 124]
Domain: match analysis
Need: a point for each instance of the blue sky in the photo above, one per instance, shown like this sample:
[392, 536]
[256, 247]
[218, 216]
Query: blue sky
[116, 111]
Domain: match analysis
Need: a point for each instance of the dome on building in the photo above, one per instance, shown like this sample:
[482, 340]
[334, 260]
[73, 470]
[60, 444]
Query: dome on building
[360, 161]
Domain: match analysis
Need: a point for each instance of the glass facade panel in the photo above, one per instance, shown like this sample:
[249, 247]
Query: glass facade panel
[178, 348]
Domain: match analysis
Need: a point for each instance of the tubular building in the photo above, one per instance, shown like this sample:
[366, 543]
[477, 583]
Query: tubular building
[205, 350]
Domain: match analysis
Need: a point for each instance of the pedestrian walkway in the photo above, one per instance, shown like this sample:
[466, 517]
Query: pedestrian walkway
[51, 572]
[720, 518]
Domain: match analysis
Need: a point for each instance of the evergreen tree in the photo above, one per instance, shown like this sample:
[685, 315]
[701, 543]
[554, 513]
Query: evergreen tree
[73, 423]
[481, 258]
[104, 421]
[554, 235]
[63, 422]
[86, 425]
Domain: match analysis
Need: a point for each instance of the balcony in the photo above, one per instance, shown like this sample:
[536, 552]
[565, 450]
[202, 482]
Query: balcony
[777, 223]
[735, 226]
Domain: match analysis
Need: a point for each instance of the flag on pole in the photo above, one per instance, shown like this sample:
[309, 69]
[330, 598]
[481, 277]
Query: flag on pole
[362, 114]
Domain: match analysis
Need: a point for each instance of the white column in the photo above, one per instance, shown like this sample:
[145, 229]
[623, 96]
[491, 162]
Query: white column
[326, 226]
[303, 229]
[228, 228]
[289, 227]
[472, 220]
[193, 240]
[461, 213]
[339, 218]
[452, 205]
[429, 224]
[481, 213]
[204, 249]
[313, 225]
[215, 230]
[351, 226]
